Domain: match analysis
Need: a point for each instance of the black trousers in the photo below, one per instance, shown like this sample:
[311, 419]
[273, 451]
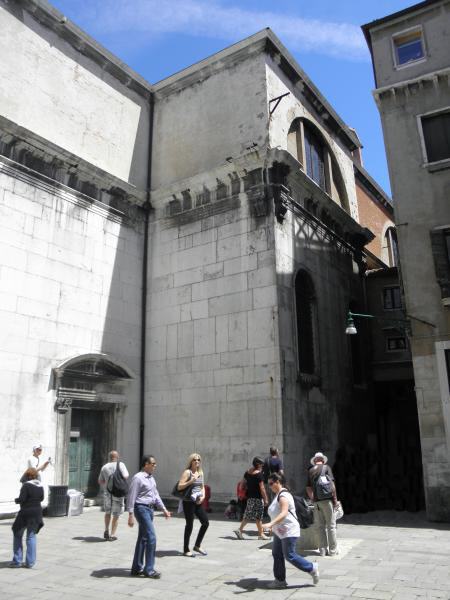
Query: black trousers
[190, 510]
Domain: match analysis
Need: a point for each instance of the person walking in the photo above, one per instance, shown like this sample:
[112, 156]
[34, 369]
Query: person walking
[112, 505]
[28, 518]
[193, 478]
[35, 462]
[256, 499]
[321, 489]
[143, 498]
[286, 530]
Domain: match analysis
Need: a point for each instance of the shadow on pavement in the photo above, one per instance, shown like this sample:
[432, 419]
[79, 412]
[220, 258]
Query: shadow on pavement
[392, 518]
[163, 553]
[105, 573]
[4, 564]
[89, 538]
[252, 584]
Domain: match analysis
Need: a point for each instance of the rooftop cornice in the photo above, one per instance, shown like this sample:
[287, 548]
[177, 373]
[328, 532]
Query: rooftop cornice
[374, 188]
[393, 88]
[55, 20]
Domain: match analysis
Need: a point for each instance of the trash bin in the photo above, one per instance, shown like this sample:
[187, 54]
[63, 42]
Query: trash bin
[57, 501]
[75, 503]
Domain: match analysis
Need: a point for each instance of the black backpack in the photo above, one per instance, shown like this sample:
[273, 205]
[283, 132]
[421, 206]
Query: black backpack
[323, 485]
[304, 510]
[117, 484]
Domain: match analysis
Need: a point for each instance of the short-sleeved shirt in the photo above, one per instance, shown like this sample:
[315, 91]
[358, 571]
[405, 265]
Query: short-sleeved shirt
[315, 472]
[253, 480]
[108, 469]
[289, 526]
[274, 464]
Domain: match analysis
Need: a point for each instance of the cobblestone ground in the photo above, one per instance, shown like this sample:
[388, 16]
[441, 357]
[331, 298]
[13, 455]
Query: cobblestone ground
[383, 556]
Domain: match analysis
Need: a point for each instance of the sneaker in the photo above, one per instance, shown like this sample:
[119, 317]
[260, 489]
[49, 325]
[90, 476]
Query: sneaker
[153, 574]
[14, 565]
[333, 552]
[106, 535]
[263, 537]
[112, 538]
[322, 551]
[136, 573]
[200, 551]
[238, 534]
[315, 573]
[277, 584]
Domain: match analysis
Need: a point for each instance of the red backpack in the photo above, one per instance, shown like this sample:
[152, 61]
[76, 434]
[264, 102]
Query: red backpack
[241, 490]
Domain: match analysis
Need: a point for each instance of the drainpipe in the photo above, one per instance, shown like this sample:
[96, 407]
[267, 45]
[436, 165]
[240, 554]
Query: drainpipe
[147, 207]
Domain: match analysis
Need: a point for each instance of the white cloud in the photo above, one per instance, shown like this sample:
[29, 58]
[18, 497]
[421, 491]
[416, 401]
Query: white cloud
[213, 18]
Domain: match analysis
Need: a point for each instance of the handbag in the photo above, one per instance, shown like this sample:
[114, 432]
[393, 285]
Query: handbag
[338, 511]
[182, 494]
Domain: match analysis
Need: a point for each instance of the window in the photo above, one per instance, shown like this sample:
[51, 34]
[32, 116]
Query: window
[447, 364]
[408, 47]
[436, 136]
[305, 300]
[391, 247]
[392, 299]
[396, 344]
[314, 157]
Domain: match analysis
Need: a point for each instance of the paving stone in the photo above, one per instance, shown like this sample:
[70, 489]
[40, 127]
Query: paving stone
[380, 563]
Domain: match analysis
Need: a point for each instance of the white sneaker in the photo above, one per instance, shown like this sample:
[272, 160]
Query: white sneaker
[322, 551]
[238, 534]
[276, 584]
[315, 573]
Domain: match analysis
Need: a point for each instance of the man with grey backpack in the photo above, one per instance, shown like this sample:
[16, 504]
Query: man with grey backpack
[322, 490]
[113, 479]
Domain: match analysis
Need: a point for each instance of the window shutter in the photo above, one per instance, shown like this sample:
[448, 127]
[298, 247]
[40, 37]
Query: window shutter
[441, 262]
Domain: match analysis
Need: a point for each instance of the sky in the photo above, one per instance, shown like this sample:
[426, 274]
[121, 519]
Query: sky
[157, 38]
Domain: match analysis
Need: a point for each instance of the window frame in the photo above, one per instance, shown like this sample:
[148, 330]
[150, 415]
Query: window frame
[396, 337]
[432, 113]
[444, 384]
[307, 379]
[410, 63]
[391, 287]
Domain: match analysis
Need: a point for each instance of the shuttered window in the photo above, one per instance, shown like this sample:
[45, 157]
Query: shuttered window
[436, 136]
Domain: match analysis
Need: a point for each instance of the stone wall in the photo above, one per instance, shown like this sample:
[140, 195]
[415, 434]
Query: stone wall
[70, 280]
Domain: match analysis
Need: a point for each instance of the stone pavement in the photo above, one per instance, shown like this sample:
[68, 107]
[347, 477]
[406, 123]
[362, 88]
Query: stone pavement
[384, 556]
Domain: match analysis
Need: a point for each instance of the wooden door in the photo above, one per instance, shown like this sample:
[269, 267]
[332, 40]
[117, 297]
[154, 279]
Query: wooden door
[85, 450]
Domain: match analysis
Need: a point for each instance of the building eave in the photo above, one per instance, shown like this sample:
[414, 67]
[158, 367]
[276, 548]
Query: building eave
[50, 17]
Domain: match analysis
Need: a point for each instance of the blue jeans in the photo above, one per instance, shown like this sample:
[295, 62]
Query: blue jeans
[30, 557]
[146, 541]
[282, 549]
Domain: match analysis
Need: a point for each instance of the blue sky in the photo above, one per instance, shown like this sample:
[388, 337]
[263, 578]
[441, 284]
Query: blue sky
[159, 37]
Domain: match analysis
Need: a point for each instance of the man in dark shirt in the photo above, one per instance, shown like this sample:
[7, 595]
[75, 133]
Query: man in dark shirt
[322, 490]
[272, 464]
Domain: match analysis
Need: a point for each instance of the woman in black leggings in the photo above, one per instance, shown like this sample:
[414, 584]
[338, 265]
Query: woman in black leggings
[192, 478]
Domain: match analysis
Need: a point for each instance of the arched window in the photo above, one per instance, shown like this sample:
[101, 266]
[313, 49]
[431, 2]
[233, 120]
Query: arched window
[306, 313]
[389, 249]
[314, 156]
[308, 145]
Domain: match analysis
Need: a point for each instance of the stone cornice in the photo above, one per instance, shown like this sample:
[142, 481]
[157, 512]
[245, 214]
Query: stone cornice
[52, 18]
[435, 77]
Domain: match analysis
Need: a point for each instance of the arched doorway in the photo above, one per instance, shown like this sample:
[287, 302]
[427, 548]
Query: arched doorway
[91, 392]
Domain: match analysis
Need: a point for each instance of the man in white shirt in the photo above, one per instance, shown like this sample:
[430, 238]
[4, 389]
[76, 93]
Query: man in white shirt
[35, 461]
[112, 505]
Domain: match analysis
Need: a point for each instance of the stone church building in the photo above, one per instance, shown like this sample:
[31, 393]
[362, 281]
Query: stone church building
[177, 260]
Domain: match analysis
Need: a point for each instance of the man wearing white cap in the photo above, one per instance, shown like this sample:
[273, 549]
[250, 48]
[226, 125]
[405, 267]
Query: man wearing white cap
[35, 461]
[322, 490]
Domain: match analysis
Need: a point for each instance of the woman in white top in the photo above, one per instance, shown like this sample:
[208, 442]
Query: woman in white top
[286, 530]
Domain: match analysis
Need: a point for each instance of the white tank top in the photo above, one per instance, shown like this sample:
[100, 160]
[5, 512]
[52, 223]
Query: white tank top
[289, 526]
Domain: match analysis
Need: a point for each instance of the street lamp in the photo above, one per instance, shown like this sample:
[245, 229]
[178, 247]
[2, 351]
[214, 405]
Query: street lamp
[400, 323]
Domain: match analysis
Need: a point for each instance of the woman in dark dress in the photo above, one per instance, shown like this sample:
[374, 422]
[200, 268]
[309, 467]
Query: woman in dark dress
[256, 499]
[28, 518]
